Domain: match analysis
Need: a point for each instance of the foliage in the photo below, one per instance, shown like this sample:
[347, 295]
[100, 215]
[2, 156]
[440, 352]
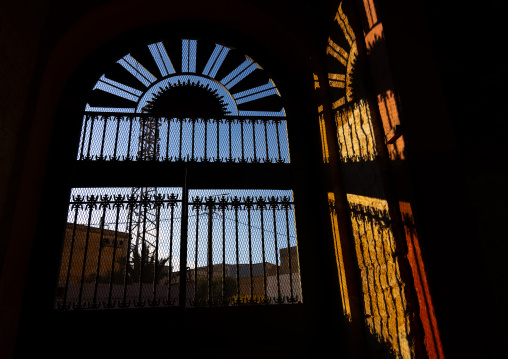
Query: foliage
[144, 265]
[230, 289]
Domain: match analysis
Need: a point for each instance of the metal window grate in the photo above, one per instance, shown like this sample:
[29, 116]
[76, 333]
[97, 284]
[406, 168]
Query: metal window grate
[120, 137]
[122, 249]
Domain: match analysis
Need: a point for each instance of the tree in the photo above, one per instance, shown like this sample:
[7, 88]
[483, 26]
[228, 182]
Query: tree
[146, 266]
[230, 289]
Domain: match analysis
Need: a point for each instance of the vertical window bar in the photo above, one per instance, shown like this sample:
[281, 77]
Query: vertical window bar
[118, 205]
[156, 139]
[218, 154]
[248, 205]
[171, 204]
[83, 138]
[254, 140]
[241, 139]
[285, 205]
[236, 205]
[158, 198]
[196, 206]
[205, 159]
[118, 119]
[131, 203]
[183, 243]
[180, 141]
[193, 138]
[274, 206]
[267, 160]
[129, 157]
[210, 206]
[141, 146]
[76, 205]
[104, 204]
[91, 205]
[105, 119]
[277, 121]
[168, 121]
[223, 205]
[261, 204]
[144, 201]
[230, 159]
[92, 120]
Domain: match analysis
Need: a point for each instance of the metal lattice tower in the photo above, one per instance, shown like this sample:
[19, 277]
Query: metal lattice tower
[143, 226]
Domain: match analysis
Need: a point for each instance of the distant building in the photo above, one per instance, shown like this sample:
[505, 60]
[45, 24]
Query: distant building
[80, 241]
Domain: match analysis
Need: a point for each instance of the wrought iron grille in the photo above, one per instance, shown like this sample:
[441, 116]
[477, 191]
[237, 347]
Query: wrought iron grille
[240, 249]
[119, 137]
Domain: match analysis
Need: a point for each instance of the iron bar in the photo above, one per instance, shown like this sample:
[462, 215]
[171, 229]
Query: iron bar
[230, 159]
[248, 206]
[285, 205]
[223, 205]
[180, 142]
[183, 243]
[118, 205]
[129, 140]
[261, 206]
[83, 137]
[210, 205]
[172, 204]
[274, 207]
[254, 140]
[236, 205]
[131, 204]
[157, 204]
[217, 159]
[205, 159]
[193, 121]
[105, 119]
[91, 204]
[141, 303]
[241, 141]
[92, 120]
[116, 138]
[105, 205]
[278, 140]
[168, 120]
[77, 205]
[267, 160]
[197, 207]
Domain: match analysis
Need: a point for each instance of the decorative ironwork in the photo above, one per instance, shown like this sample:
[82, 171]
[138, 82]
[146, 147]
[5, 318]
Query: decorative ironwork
[112, 137]
[241, 250]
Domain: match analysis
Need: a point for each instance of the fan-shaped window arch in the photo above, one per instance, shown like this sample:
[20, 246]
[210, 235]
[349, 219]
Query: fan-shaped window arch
[180, 119]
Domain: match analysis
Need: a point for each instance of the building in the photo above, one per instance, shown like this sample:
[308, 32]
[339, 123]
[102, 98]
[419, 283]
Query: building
[448, 85]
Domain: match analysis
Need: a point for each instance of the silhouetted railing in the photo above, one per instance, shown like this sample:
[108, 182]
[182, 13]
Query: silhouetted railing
[116, 137]
[238, 250]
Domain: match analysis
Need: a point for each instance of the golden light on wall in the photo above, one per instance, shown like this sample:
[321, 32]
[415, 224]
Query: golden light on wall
[391, 125]
[346, 55]
[355, 134]
[324, 142]
[382, 287]
[370, 11]
[338, 256]
[432, 338]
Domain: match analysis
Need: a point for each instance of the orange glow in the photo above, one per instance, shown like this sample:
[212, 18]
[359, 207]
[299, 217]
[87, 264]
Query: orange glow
[355, 134]
[370, 11]
[427, 315]
[382, 287]
[338, 256]
[316, 82]
[336, 51]
[324, 142]
[337, 80]
[375, 34]
[391, 125]
[343, 22]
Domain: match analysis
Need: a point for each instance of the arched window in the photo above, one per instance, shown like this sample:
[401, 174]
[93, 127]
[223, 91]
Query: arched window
[187, 141]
